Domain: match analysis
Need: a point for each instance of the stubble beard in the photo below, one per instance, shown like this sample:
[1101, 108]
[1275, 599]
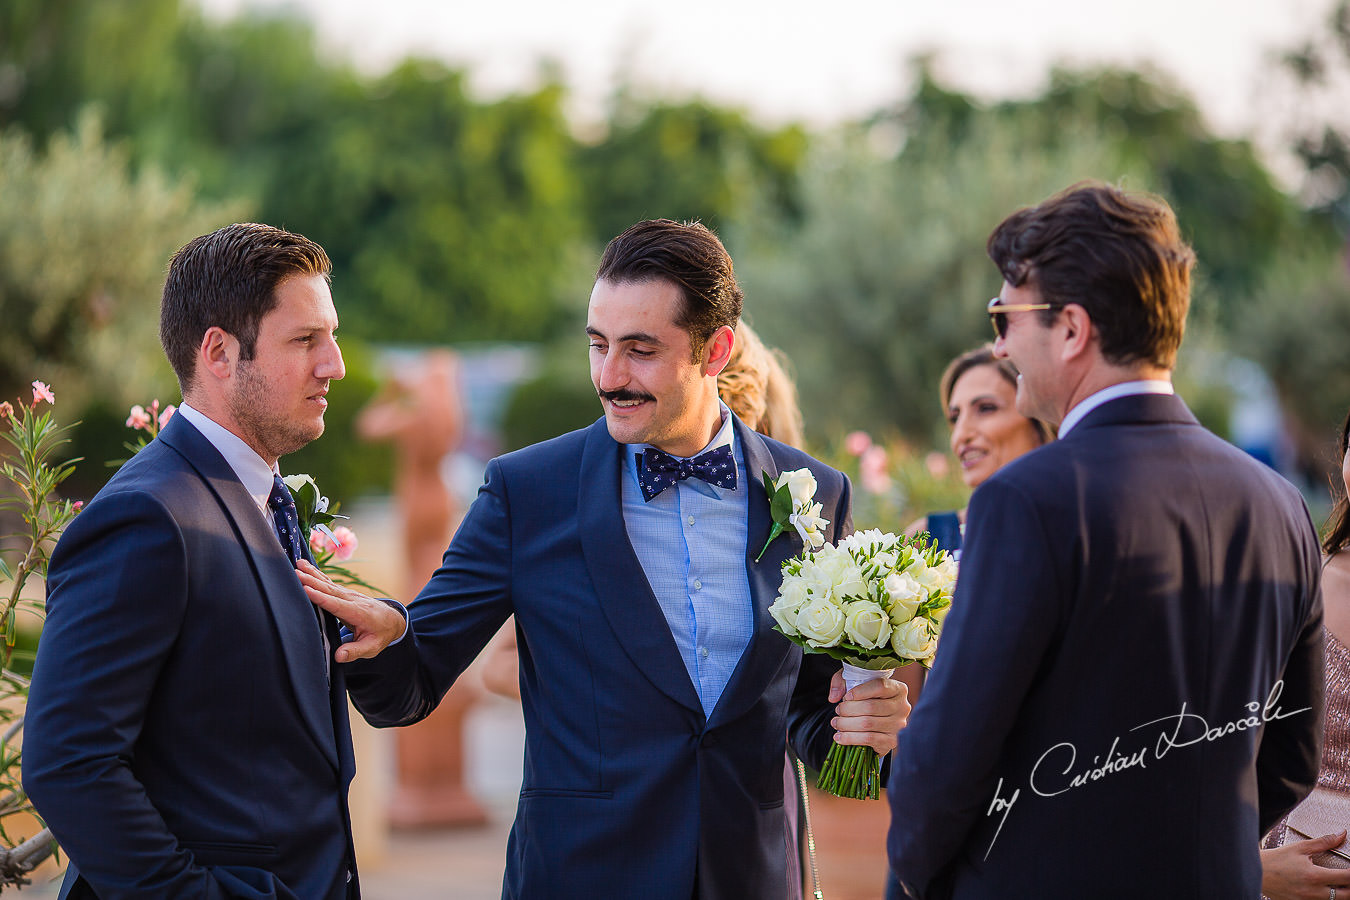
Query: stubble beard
[267, 428]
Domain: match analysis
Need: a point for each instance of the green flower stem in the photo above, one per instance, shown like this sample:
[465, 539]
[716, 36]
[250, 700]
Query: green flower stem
[852, 771]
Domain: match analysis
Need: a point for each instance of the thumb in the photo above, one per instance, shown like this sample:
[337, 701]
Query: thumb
[1325, 842]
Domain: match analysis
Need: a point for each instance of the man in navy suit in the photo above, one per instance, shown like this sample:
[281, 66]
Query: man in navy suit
[1129, 687]
[656, 696]
[187, 735]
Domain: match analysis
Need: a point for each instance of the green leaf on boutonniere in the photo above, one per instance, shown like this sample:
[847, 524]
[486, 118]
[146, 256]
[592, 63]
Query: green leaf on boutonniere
[780, 509]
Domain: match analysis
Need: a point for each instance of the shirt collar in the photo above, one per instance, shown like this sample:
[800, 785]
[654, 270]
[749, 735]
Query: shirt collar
[1115, 391]
[248, 466]
[726, 435]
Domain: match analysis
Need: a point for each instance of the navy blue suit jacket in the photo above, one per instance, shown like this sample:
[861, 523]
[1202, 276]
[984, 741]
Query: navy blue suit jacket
[181, 739]
[629, 790]
[1122, 591]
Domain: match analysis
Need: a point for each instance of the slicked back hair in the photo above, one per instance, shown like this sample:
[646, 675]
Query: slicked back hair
[689, 256]
[229, 279]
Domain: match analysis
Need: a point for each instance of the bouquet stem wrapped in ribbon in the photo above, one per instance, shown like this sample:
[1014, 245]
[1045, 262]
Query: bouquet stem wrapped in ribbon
[874, 601]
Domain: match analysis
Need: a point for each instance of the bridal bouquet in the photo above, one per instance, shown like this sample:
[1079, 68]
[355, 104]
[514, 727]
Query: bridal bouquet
[873, 601]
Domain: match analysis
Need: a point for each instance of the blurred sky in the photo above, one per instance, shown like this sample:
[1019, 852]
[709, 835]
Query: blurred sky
[826, 60]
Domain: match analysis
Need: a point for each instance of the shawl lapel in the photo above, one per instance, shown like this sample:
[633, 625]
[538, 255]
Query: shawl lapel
[291, 611]
[621, 586]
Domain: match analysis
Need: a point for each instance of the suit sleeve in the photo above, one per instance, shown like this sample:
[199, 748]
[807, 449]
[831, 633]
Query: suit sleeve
[451, 621]
[810, 712]
[1002, 619]
[1291, 747]
[117, 593]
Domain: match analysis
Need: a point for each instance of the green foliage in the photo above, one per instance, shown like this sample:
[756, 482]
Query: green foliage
[1296, 331]
[83, 245]
[885, 279]
[685, 161]
[31, 477]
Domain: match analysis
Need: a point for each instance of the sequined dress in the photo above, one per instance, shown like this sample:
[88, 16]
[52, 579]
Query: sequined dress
[1335, 771]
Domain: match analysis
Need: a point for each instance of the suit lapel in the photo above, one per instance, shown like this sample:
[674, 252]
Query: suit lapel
[620, 584]
[768, 649]
[290, 608]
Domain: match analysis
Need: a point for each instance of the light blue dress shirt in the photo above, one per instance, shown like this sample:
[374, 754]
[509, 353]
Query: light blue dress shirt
[690, 540]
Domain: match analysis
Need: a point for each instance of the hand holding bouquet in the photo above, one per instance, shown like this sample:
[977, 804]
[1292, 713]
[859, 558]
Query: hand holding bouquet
[874, 601]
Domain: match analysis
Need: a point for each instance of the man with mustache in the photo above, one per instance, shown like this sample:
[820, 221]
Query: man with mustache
[656, 696]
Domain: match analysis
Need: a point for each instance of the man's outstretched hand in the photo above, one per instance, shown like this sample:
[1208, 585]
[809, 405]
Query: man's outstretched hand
[373, 623]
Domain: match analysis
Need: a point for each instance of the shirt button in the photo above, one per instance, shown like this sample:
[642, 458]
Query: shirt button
[690, 520]
[698, 585]
[703, 651]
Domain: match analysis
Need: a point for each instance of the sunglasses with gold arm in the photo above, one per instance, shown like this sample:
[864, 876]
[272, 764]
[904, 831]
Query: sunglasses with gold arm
[998, 310]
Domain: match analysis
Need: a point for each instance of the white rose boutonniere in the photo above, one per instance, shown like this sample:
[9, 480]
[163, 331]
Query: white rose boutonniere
[791, 503]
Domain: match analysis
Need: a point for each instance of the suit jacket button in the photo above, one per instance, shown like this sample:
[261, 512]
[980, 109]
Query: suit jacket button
[709, 739]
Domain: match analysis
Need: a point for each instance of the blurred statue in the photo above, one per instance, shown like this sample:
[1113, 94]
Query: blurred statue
[419, 410]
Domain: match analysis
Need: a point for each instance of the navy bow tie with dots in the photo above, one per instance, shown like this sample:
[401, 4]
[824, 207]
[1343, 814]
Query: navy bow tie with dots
[658, 470]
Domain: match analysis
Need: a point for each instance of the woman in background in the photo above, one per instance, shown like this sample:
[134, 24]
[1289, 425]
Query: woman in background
[979, 398]
[1288, 869]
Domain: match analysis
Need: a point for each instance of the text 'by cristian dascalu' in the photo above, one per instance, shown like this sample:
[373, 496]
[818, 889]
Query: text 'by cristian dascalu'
[1057, 772]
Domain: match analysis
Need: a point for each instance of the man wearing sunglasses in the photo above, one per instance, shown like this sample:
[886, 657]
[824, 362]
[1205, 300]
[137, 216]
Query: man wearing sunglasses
[1129, 689]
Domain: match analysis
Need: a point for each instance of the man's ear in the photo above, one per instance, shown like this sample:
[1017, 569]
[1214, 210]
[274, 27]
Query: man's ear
[717, 350]
[1077, 332]
[218, 354]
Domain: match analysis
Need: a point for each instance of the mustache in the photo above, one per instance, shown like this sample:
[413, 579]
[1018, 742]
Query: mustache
[623, 396]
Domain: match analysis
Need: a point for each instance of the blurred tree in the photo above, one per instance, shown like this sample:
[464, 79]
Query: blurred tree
[1296, 331]
[83, 247]
[447, 219]
[56, 56]
[1316, 73]
[687, 160]
[1228, 203]
[885, 278]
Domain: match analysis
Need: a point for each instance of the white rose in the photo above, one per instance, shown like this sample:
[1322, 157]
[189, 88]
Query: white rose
[940, 616]
[801, 484]
[933, 579]
[784, 609]
[948, 569]
[906, 595]
[853, 587]
[821, 623]
[816, 582]
[866, 624]
[914, 640]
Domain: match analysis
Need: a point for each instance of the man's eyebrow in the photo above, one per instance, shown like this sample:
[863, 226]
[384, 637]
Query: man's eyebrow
[637, 337]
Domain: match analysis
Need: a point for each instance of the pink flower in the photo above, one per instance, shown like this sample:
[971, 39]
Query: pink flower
[857, 442]
[77, 505]
[6, 410]
[342, 544]
[937, 465]
[43, 392]
[872, 469]
[167, 414]
[139, 418]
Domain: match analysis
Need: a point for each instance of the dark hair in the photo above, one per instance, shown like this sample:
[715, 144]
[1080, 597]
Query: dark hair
[688, 255]
[228, 279]
[1338, 523]
[1118, 255]
[973, 359]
